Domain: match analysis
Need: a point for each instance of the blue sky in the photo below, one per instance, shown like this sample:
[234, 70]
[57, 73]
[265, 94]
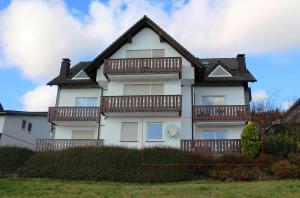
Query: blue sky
[274, 60]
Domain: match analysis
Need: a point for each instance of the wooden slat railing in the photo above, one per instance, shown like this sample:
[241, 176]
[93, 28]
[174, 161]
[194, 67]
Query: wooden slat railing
[88, 114]
[212, 147]
[142, 65]
[60, 144]
[221, 112]
[149, 103]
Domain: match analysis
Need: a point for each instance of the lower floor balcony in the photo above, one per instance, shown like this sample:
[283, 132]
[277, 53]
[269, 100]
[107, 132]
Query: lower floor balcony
[212, 147]
[60, 144]
[83, 114]
[221, 112]
[143, 103]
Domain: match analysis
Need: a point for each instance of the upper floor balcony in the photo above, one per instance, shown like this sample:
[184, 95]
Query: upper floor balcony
[221, 112]
[167, 67]
[144, 103]
[82, 114]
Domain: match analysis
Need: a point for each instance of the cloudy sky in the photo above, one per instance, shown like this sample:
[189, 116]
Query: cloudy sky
[35, 35]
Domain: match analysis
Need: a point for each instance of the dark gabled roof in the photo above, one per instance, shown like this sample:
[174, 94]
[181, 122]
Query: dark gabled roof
[73, 71]
[22, 113]
[1, 107]
[296, 104]
[91, 69]
[231, 65]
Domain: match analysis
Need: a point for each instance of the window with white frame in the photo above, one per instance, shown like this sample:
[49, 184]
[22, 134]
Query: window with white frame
[213, 100]
[129, 132]
[213, 134]
[86, 101]
[146, 53]
[154, 131]
[143, 89]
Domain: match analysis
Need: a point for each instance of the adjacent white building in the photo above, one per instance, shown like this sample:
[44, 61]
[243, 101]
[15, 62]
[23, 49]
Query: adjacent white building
[22, 128]
[146, 89]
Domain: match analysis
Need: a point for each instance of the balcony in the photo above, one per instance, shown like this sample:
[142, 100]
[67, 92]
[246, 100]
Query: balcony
[212, 147]
[60, 144]
[162, 65]
[221, 113]
[83, 114]
[145, 103]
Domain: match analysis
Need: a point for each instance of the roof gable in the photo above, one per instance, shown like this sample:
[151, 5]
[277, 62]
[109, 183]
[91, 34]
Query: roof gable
[219, 71]
[144, 22]
[81, 75]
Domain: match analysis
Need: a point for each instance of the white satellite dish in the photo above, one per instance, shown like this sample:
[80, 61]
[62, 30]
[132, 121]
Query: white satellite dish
[171, 130]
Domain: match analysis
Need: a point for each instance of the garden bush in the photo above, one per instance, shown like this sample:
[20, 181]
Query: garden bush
[109, 164]
[284, 170]
[279, 144]
[250, 140]
[11, 158]
[237, 174]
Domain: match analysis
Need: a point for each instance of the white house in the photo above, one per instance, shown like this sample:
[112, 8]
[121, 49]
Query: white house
[146, 89]
[22, 128]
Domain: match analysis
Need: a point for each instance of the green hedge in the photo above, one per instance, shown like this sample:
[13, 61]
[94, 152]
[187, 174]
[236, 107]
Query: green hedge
[11, 158]
[279, 144]
[109, 164]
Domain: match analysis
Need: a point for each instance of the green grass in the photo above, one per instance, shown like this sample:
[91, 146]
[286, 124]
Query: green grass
[14, 187]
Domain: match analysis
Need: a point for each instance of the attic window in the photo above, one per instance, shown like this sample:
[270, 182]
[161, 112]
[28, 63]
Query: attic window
[205, 62]
[81, 75]
[219, 71]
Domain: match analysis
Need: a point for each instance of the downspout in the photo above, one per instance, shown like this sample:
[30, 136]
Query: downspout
[192, 98]
[99, 121]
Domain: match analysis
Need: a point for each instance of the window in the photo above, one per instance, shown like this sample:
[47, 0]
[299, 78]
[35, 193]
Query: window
[29, 127]
[23, 124]
[86, 102]
[143, 89]
[213, 100]
[147, 53]
[213, 135]
[205, 62]
[154, 131]
[83, 134]
[129, 131]
[81, 75]
[219, 72]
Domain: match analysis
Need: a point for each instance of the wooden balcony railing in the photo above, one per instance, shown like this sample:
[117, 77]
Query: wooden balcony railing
[142, 65]
[212, 147]
[150, 103]
[88, 114]
[221, 112]
[60, 144]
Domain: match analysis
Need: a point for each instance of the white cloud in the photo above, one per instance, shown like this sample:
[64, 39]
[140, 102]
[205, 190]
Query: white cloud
[288, 103]
[259, 95]
[39, 99]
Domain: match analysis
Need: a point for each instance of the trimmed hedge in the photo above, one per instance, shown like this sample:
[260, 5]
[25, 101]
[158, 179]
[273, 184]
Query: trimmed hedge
[11, 158]
[237, 174]
[109, 164]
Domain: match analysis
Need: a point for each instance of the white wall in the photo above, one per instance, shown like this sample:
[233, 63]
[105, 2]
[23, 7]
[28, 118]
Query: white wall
[13, 134]
[2, 120]
[186, 120]
[234, 132]
[233, 95]
[111, 132]
[67, 96]
[65, 132]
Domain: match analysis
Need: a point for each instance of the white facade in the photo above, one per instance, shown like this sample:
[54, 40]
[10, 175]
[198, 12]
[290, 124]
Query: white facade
[110, 127]
[14, 133]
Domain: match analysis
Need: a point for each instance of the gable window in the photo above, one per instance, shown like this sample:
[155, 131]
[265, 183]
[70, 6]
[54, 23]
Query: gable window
[81, 75]
[23, 124]
[213, 100]
[86, 101]
[129, 131]
[213, 134]
[219, 71]
[147, 53]
[154, 131]
[143, 89]
[29, 128]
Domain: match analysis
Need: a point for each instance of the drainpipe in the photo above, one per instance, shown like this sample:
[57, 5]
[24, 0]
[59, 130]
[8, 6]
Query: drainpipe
[99, 121]
[192, 97]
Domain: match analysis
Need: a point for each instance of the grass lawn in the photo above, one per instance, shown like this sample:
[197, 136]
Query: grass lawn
[13, 187]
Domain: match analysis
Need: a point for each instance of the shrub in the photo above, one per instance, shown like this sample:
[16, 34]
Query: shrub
[250, 140]
[283, 169]
[237, 174]
[109, 164]
[294, 159]
[279, 144]
[11, 158]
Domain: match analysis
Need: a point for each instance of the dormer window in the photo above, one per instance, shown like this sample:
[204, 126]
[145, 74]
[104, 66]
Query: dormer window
[205, 62]
[147, 53]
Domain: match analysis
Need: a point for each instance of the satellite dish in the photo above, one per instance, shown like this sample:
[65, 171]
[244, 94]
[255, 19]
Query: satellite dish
[171, 130]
